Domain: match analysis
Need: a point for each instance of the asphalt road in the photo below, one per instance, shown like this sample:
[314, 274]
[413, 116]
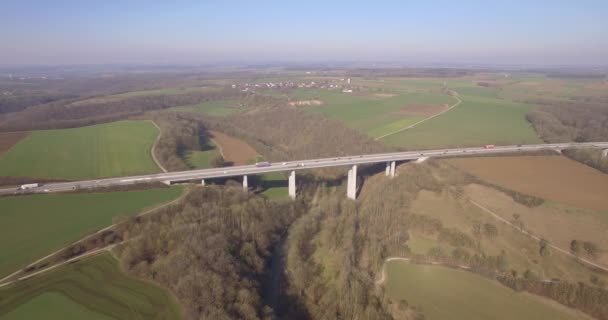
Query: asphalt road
[297, 165]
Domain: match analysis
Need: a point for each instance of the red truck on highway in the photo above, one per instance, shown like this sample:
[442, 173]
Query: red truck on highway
[489, 146]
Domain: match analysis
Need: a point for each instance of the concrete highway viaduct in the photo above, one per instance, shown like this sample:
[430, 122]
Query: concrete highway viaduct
[291, 167]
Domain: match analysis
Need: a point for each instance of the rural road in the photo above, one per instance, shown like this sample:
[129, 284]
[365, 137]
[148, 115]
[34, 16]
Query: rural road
[153, 150]
[458, 102]
[225, 172]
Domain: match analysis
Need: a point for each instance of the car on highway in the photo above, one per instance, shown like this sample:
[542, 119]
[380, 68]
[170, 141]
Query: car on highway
[28, 186]
[262, 164]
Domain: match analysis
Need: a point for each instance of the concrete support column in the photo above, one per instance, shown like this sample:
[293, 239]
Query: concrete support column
[245, 185]
[605, 153]
[351, 186]
[392, 169]
[292, 185]
[388, 169]
[202, 182]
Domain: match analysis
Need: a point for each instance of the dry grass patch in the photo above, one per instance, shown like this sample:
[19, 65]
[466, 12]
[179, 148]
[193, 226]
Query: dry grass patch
[424, 110]
[234, 150]
[550, 177]
[557, 223]
[306, 103]
[9, 139]
[384, 95]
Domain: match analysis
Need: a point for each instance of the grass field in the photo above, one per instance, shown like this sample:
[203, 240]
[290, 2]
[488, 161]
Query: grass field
[35, 225]
[9, 139]
[443, 293]
[520, 250]
[374, 114]
[276, 186]
[113, 149]
[556, 222]
[476, 121]
[214, 108]
[93, 288]
[202, 159]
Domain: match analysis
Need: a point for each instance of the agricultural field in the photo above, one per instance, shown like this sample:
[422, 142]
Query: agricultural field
[375, 113]
[520, 250]
[488, 112]
[476, 121]
[105, 150]
[235, 151]
[9, 139]
[556, 222]
[553, 178]
[220, 108]
[443, 293]
[92, 288]
[34, 225]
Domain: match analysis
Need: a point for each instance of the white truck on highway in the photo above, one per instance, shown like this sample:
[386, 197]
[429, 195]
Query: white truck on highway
[29, 186]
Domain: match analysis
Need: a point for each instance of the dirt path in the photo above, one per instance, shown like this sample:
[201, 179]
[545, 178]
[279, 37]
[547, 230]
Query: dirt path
[426, 119]
[219, 147]
[566, 252]
[153, 150]
[81, 240]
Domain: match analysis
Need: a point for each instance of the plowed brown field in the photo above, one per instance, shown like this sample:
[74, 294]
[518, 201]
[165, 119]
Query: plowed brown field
[7, 140]
[551, 177]
[234, 150]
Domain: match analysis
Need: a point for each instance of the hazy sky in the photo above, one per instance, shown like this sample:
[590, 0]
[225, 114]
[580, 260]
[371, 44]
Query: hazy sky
[490, 31]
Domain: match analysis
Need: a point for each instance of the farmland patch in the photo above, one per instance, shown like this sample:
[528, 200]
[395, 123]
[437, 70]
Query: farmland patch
[235, 150]
[9, 139]
[551, 177]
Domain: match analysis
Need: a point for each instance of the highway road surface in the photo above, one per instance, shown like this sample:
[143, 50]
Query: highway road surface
[190, 175]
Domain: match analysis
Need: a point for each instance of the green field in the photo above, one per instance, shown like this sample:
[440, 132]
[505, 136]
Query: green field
[93, 288]
[370, 113]
[213, 108]
[35, 225]
[476, 121]
[202, 159]
[275, 184]
[443, 293]
[113, 149]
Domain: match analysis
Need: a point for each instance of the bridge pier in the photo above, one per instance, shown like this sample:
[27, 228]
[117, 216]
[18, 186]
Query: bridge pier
[604, 153]
[245, 185]
[351, 186]
[203, 182]
[393, 169]
[292, 185]
[388, 169]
